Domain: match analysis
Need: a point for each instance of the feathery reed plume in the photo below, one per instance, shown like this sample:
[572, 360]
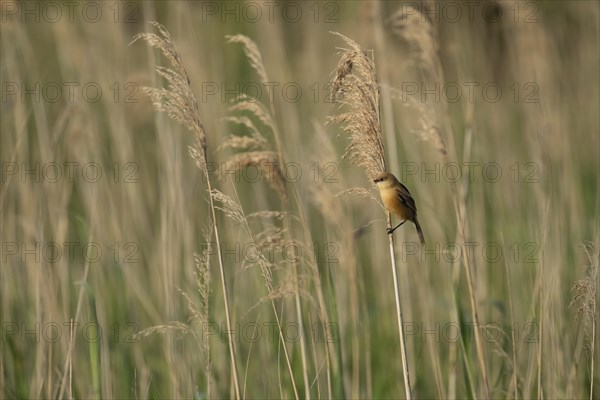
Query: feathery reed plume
[421, 35]
[177, 99]
[410, 24]
[585, 292]
[429, 127]
[180, 104]
[356, 89]
[252, 54]
[255, 151]
[276, 177]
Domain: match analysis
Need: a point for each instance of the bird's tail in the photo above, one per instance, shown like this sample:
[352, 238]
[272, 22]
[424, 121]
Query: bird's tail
[420, 231]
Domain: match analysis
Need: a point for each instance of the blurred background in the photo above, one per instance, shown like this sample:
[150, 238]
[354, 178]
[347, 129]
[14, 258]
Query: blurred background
[490, 108]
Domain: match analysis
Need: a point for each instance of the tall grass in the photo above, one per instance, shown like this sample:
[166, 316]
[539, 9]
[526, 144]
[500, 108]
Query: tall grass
[195, 261]
[412, 26]
[180, 103]
[357, 90]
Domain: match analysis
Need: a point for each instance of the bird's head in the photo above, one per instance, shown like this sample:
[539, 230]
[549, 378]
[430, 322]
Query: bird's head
[385, 179]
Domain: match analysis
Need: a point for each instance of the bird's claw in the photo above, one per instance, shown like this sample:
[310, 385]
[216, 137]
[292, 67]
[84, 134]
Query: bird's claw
[390, 231]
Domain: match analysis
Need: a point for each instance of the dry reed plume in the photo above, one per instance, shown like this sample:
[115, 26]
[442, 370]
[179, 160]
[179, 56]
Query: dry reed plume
[257, 150]
[356, 89]
[180, 104]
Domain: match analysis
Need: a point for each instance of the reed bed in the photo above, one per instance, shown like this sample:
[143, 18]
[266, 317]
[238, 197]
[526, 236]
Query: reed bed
[192, 215]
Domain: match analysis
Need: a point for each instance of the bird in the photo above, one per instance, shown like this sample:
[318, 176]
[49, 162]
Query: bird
[398, 201]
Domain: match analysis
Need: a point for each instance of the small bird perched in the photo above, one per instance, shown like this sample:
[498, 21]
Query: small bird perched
[398, 201]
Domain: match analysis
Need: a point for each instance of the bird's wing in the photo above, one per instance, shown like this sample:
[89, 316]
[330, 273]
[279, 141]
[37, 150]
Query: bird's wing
[406, 198]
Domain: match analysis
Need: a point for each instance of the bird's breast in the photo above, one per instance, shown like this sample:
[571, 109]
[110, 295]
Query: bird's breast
[393, 204]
